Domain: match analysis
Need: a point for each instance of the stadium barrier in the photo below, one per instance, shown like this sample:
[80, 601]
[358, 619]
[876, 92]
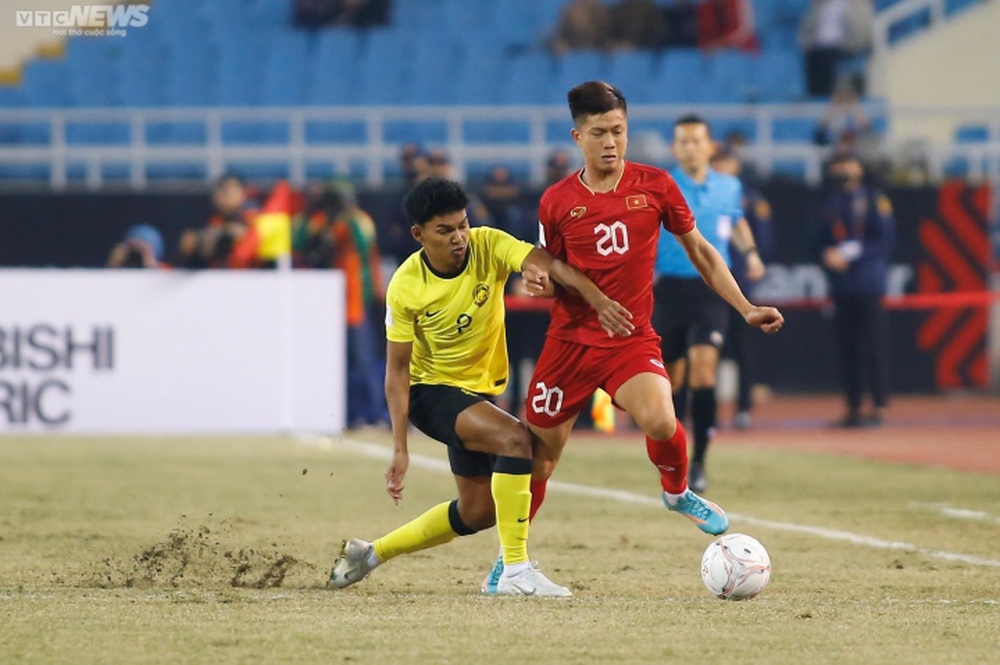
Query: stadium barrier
[85, 351]
[136, 148]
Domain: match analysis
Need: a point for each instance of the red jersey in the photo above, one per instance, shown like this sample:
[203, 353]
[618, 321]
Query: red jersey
[612, 238]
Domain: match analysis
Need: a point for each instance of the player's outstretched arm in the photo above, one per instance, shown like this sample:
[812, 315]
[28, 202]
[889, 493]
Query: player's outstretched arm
[614, 318]
[397, 396]
[715, 272]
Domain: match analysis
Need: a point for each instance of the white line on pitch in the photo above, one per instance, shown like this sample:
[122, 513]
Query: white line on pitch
[382, 452]
[957, 513]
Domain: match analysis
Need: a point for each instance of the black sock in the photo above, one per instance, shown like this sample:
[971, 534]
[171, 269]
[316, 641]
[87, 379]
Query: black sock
[703, 407]
[681, 403]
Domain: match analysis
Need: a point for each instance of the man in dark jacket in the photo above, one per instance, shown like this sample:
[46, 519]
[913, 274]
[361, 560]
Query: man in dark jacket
[855, 241]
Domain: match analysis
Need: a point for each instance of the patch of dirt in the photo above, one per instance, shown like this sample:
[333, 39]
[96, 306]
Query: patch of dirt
[199, 557]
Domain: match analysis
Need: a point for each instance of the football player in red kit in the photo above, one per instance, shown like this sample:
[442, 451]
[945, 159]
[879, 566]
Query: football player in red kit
[605, 220]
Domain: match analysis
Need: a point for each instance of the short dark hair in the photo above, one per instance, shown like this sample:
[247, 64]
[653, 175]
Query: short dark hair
[594, 98]
[226, 178]
[693, 119]
[433, 197]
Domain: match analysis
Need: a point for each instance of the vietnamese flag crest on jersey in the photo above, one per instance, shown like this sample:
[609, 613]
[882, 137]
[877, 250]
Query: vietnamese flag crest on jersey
[635, 201]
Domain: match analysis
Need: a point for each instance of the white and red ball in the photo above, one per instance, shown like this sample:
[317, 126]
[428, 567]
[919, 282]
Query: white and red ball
[735, 567]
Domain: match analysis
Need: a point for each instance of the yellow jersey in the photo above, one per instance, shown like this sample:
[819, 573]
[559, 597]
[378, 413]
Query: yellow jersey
[456, 322]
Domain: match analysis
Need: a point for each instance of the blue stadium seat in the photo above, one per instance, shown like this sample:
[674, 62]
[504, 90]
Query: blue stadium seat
[632, 73]
[46, 83]
[287, 69]
[10, 98]
[794, 130]
[519, 25]
[721, 128]
[479, 79]
[529, 80]
[409, 131]
[576, 67]
[731, 77]
[143, 71]
[270, 13]
[780, 76]
[680, 77]
[496, 131]
[192, 75]
[972, 134]
[335, 70]
[241, 60]
[433, 75]
[387, 68]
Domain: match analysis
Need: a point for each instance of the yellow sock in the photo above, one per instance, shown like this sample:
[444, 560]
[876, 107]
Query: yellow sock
[430, 529]
[511, 485]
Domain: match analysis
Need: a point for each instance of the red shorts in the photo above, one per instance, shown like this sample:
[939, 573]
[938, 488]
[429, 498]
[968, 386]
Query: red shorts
[567, 375]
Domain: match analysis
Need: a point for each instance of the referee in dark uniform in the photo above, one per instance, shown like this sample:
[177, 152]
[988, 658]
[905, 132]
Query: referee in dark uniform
[855, 240]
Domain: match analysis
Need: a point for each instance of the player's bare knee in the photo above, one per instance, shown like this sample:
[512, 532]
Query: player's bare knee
[543, 469]
[514, 441]
[660, 427]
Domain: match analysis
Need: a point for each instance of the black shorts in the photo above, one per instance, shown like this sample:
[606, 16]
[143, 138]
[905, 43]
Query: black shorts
[434, 410]
[687, 312]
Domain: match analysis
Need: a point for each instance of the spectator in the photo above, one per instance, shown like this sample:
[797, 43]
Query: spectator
[757, 212]
[230, 239]
[362, 13]
[314, 13]
[142, 247]
[335, 232]
[844, 118]
[439, 166]
[855, 240]
[584, 24]
[830, 34]
[414, 164]
[680, 22]
[726, 24]
[636, 24]
[557, 167]
[502, 198]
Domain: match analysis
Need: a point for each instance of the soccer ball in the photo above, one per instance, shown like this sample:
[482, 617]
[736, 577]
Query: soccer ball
[735, 567]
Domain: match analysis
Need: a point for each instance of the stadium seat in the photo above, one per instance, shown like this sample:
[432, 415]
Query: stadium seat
[680, 77]
[496, 131]
[577, 67]
[408, 131]
[731, 77]
[287, 80]
[632, 73]
[780, 76]
[479, 79]
[334, 74]
[972, 134]
[46, 83]
[794, 130]
[529, 80]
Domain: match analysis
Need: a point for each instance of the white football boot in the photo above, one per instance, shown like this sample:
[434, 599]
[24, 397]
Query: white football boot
[352, 565]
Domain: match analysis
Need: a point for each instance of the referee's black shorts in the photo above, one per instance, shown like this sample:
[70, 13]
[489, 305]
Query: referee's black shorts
[686, 312]
[434, 410]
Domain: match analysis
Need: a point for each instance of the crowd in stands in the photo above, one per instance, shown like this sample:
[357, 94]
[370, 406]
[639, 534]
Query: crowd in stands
[361, 14]
[834, 35]
[645, 24]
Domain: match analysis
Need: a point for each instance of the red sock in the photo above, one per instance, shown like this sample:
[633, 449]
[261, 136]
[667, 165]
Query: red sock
[671, 458]
[537, 496]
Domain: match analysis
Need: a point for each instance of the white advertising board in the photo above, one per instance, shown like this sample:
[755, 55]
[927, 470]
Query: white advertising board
[128, 351]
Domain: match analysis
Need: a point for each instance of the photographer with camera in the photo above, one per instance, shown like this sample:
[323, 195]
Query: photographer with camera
[230, 240]
[142, 247]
